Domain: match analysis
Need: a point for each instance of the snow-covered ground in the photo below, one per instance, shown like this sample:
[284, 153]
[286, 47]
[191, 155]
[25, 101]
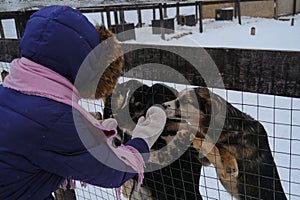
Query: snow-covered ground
[279, 115]
[270, 33]
[13, 5]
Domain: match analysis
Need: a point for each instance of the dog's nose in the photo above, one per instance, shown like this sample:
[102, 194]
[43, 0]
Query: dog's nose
[165, 105]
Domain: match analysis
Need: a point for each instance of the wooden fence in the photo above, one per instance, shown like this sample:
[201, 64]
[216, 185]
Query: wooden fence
[20, 17]
[260, 71]
[282, 7]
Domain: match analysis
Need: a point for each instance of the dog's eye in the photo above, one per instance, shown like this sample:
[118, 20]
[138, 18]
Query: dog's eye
[184, 101]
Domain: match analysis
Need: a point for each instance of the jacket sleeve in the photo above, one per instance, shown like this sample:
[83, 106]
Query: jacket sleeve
[64, 153]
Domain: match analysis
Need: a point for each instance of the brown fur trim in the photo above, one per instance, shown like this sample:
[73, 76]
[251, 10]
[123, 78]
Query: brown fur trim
[111, 74]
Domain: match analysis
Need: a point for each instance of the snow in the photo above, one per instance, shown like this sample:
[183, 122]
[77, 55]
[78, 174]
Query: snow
[279, 115]
[13, 5]
[270, 33]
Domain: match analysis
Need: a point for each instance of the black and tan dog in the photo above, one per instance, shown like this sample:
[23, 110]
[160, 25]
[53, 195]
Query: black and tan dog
[242, 137]
[178, 180]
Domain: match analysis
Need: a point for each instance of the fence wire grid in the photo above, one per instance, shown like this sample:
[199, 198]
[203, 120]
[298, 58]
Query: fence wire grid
[280, 116]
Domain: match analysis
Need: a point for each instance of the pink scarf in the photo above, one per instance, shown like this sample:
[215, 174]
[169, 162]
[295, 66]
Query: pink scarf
[31, 78]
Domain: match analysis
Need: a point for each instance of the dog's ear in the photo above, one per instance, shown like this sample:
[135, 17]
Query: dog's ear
[216, 104]
[162, 93]
[203, 100]
[208, 101]
[97, 115]
[4, 73]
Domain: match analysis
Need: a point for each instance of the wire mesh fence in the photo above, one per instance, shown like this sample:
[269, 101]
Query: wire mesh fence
[191, 176]
[278, 115]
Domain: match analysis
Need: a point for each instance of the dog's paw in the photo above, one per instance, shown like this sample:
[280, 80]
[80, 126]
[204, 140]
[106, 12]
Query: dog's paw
[154, 157]
[184, 136]
[127, 188]
[235, 174]
[231, 169]
[229, 173]
[162, 158]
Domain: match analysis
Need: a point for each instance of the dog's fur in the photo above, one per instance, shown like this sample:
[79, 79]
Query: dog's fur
[179, 180]
[4, 73]
[242, 137]
[97, 116]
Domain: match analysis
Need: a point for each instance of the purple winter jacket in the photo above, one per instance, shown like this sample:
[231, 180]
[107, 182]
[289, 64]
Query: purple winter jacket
[39, 144]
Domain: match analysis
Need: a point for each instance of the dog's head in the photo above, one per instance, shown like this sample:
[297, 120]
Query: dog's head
[131, 100]
[126, 104]
[195, 107]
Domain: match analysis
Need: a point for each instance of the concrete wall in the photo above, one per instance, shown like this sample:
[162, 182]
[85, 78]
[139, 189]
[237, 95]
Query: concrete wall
[286, 7]
[208, 11]
[258, 9]
[254, 9]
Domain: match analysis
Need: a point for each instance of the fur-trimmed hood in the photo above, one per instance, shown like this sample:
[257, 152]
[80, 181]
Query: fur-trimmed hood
[59, 38]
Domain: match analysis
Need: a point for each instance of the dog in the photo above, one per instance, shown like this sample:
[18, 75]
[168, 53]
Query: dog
[4, 73]
[178, 180]
[242, 138]
[134, 98]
